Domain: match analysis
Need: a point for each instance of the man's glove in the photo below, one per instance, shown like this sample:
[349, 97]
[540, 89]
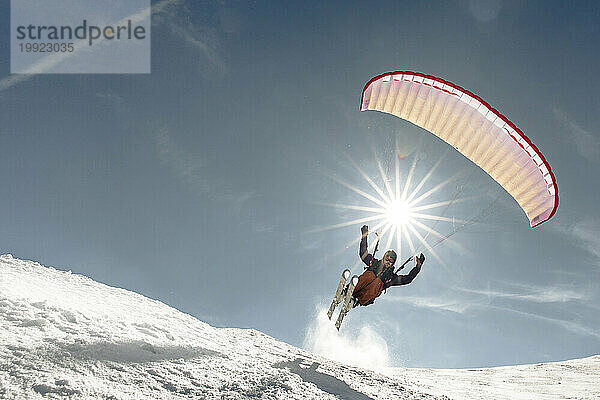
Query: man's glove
[420, 259]
[364, 230]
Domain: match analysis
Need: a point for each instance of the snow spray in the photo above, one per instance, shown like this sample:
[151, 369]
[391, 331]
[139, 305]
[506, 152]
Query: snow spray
[365, 348]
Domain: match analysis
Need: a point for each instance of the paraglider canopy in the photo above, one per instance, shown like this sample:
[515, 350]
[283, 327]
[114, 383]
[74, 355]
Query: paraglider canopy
[474, 128]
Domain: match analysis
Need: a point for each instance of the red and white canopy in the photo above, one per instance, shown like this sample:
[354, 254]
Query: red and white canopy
[475, 129]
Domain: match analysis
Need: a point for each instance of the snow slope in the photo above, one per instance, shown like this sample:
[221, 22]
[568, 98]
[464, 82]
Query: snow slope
[65, 336]
[574, 379]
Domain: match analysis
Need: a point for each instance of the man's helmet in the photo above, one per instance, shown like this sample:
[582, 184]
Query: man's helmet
[390, 253]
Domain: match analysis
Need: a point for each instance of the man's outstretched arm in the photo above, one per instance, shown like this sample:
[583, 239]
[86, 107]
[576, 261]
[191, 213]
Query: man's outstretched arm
[405, 279]
[363, 251]
[398, 280]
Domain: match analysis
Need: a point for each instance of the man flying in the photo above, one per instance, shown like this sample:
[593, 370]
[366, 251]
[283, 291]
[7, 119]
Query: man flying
[379, 274]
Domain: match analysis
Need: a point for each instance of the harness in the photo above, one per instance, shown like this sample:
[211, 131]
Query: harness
[390, 275]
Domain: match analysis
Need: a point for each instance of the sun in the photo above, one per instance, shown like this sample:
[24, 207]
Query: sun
[399, 209]
[398, 213]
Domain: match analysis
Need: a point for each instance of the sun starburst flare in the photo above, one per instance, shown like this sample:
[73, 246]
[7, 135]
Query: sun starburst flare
[397, 210]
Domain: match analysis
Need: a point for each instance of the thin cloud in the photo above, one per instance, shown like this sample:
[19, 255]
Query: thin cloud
[541, 294]
[438, 303]
[202, 38]
[191, 169]
[587, 234]
[568, 325]
[12, 80]
[483, 302]
[587, 144]
[204, 46]
[461, 300]
[584, 234]
[187, 167]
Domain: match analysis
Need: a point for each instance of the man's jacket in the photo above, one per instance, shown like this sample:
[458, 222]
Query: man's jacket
[388, 277]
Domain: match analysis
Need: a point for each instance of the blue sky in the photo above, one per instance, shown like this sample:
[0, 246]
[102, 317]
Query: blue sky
[202, 184]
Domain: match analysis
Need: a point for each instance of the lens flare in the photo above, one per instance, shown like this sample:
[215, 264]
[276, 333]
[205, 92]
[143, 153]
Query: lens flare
[398, 213]
[398, 208]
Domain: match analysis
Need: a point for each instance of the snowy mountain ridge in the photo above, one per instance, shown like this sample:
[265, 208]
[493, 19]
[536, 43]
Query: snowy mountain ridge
[64, 335]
